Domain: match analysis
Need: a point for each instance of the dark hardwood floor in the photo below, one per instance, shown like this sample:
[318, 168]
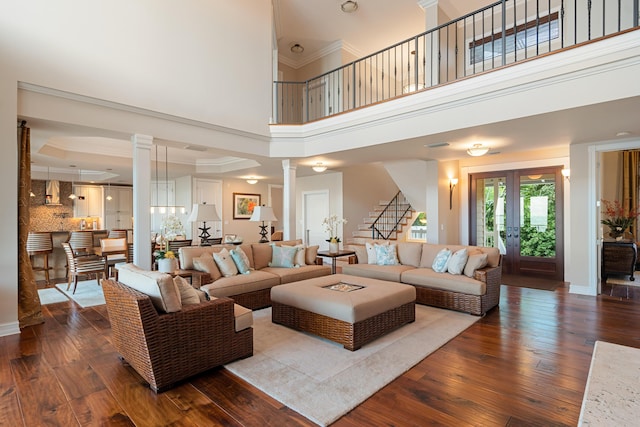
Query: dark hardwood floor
[525, 363]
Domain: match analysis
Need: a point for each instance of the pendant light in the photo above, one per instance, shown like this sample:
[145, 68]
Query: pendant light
[166, 207]
[72, 196]
[109, 198]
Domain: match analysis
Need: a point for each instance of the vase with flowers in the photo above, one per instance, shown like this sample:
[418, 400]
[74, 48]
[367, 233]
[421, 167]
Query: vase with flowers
[331, 224]
[619, 218]
[167, 262]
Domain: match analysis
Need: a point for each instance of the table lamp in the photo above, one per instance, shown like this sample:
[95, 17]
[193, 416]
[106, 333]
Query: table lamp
[203, 213]
[263, 213]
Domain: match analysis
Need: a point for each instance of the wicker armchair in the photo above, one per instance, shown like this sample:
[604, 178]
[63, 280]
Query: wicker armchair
[167, 348]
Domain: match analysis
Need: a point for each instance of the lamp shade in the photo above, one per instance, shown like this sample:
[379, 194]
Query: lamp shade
[203, 212]
[263, 213]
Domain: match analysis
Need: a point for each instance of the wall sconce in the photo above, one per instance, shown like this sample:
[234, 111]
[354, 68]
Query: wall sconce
[566, 173]
[452, 184]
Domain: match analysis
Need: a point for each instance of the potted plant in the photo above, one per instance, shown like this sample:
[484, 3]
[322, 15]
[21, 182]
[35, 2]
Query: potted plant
[618, 218]
[331, 224]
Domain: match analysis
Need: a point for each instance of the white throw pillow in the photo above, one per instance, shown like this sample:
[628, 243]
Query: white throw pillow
[225, 263]
[371, 251]
[440, 261]
[299, 258]
[457, 261]
[386, 254]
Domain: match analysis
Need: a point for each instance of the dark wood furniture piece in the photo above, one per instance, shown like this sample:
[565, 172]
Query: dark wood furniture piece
[334, 255]
[170, 347]
[618, 257]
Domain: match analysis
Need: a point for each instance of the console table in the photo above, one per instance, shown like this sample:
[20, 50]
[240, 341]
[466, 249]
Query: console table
[618, 257]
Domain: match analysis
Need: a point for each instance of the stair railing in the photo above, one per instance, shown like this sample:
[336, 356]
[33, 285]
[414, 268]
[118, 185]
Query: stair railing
[390, 218]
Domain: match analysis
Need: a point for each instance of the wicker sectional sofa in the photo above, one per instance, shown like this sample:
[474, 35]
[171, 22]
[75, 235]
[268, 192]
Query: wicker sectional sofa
[250, 290]
[476, 292]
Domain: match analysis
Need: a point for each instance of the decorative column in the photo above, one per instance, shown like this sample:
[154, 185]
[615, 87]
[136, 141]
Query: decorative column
[142, 200]
[430, 8]
[289, 200]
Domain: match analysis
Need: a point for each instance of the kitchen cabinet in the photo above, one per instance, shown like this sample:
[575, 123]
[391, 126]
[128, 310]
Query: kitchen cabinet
[118, 212]
[88, 202]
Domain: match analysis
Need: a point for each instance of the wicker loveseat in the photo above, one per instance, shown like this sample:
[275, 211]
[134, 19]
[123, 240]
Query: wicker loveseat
[165, 348]
[475, 292]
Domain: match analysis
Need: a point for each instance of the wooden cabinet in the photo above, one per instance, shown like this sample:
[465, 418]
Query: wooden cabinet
[618, 257]
[88, 202]
[118, 212]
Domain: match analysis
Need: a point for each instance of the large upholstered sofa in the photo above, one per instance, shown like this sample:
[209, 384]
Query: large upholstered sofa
[252, 289]
[475, 288]
[168, 331]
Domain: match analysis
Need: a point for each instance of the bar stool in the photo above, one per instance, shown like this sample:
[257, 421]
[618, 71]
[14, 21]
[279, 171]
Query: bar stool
[117, 233]
[40, 243]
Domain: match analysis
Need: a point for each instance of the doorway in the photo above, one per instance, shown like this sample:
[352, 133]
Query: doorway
[315, 207]
[516, 212]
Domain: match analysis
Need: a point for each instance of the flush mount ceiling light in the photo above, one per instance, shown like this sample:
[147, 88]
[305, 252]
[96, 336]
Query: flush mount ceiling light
[349, 6]
[319, 167]
[623, 133]
[477, 150]
[252, 180]
[297, 48]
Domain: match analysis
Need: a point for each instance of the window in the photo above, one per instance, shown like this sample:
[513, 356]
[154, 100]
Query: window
[529, 34]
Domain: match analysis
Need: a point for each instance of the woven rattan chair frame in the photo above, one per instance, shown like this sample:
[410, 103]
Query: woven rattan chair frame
[167, 348]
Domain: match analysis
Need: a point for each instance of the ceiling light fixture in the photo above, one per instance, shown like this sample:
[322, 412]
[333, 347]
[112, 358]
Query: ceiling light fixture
[109, 198]
[72, 196]
[623, 133]
[252, 180]
[349, 6]
[319, 167]
[477, 150]
[297, 48]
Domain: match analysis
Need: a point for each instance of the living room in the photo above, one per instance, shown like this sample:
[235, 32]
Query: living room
[54, 85]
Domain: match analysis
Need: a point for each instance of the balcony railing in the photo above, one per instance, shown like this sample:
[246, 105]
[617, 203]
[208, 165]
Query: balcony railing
[497, 35]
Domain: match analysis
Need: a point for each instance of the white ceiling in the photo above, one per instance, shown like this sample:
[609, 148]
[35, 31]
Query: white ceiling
[69, 152]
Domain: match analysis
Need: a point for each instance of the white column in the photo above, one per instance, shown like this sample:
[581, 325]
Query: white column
[430, 8]
[289, 200]
[142, 200]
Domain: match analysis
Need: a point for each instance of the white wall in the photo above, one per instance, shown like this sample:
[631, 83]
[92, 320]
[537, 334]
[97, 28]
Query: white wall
[331, 182]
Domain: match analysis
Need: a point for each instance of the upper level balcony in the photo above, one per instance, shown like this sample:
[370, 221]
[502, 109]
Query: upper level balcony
[497, 36]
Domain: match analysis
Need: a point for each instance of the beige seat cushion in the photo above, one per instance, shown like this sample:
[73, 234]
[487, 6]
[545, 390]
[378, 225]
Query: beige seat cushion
[243, 317]
[256, 280]
[391, 273]
[449, 282]
[160, 287]
[288, 275]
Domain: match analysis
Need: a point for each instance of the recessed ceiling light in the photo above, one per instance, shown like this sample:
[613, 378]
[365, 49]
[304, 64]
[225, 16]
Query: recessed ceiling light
[297, 48]
[437, 144]
[349, 6]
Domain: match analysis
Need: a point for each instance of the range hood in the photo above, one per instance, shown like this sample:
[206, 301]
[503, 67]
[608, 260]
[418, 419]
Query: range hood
[52, 193]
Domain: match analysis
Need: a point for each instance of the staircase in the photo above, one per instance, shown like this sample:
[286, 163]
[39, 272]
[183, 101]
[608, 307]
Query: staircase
[387, 219]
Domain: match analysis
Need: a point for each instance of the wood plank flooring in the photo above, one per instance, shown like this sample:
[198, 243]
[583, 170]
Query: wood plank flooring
[524, 364]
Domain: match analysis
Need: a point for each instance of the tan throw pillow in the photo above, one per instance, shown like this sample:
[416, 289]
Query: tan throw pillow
[261, 255]
[206, 264]
[225, 263]
[457, 261]
[188, 295]
[361, 253]
[310, 255]
[473, 263]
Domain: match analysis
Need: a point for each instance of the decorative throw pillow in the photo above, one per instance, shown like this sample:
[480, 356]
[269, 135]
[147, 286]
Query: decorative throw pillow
[239, 260]
[386, 254]
[206, 264]
[440, 261]
[310, 254]
[225, 263]
[188, 295]
[300, 254]
[457, 261]
[475, 262]
[283, 256]
[371, 251]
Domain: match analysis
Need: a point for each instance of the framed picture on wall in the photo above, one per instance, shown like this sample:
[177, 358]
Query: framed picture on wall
[243, 205]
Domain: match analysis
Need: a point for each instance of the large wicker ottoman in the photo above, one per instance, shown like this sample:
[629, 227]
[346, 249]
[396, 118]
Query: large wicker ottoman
[349, 310]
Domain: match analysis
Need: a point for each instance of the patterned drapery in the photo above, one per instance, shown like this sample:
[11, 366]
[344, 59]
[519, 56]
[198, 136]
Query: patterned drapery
[29, 308]
[630, 185]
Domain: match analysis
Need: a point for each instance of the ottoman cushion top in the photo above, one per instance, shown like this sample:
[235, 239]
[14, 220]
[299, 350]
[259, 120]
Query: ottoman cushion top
[376, 296]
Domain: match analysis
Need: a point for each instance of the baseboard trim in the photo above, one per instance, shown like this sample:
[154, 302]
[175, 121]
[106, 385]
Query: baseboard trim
[9, 329]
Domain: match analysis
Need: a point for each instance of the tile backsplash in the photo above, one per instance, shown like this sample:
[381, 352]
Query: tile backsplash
[52, 217]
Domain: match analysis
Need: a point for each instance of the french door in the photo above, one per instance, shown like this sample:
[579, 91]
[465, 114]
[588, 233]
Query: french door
[520, 213]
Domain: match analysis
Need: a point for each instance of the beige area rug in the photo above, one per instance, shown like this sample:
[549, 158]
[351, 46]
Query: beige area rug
[51, 296]
[87, 294]
[323, 381]
[612, 394]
